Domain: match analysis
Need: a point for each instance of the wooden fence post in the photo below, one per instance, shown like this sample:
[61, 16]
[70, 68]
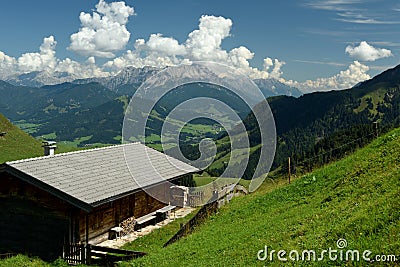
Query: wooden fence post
[289, 169]
[88, 250]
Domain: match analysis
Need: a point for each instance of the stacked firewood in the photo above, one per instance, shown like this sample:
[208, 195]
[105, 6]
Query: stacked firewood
[128, 226]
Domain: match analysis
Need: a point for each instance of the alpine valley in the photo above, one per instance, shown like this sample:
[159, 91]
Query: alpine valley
[90, 112]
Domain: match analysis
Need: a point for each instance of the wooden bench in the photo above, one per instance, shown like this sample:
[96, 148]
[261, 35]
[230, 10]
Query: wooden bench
[166, 208]
[148, 219]
[153, 218]
[161, 214]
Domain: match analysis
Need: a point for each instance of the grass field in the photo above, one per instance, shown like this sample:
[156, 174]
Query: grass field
[29, 128]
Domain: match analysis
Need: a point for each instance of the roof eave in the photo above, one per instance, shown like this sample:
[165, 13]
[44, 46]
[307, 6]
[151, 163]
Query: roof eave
[113, 198]
[45, 187]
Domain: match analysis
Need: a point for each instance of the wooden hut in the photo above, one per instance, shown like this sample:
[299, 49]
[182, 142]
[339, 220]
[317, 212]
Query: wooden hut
[78, 197]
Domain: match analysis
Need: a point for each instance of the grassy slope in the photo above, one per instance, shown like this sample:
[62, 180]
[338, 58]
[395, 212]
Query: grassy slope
[357, 198]
[17, 144]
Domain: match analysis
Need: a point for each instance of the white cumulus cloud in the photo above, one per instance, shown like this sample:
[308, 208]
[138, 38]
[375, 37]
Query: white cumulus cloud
[104, 32]
[203, 44]
[8, 65]
[277, 66]
[44, 60]
[164, 45]
[367, 52]
[345, 79]
[87, 69]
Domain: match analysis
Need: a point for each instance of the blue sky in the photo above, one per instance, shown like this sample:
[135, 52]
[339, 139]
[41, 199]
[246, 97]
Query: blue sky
[310, 44]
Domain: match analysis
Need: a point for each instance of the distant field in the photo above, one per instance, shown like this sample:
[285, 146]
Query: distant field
[194, 133]
[77, 141]
[29, 128]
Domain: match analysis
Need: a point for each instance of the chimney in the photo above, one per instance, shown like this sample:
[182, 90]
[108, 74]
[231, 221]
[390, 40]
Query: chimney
[49, 148]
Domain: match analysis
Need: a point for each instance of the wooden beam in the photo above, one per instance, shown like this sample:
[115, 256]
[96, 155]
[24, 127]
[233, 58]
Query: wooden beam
[117, 251]
[87, 229]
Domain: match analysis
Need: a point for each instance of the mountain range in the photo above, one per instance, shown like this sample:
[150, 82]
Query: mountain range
[40, 78]
[129, 79]
[125, 82]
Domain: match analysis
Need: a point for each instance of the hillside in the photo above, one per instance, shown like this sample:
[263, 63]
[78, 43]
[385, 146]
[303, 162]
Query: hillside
[356, 199]
[316, 123]
[303, 121]
[16, 144]
[38, 105]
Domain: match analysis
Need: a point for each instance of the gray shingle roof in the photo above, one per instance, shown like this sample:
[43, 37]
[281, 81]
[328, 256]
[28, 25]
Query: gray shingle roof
[92, 176]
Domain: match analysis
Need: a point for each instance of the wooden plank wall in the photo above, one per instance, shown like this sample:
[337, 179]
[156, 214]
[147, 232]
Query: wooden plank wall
[49, 213]
[109, 215]
[31, 220]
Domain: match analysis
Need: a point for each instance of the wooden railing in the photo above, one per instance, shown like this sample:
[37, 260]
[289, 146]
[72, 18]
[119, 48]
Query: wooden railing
[195, 198]
[75, 254]
[218, 198]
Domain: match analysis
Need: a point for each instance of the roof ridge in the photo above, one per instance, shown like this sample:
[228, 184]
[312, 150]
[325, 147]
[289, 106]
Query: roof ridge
[69, 153]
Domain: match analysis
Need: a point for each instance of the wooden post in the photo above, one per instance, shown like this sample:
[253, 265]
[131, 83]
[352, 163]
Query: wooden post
[88, 250]
[289, 169]
[87, 229]
[376, 128]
